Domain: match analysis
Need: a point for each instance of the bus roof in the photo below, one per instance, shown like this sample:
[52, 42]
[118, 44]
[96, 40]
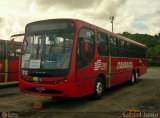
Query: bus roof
[114, 34]
[128, 40]
[96, 28]
[22, 34]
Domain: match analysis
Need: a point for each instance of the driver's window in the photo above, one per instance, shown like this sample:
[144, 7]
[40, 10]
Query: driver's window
[86, 47]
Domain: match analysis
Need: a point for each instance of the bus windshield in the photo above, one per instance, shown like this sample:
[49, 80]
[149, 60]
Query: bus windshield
[50, 49]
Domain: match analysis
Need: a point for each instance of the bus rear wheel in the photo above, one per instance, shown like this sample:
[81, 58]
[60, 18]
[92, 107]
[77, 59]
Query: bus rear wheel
[99, 88]
[133, 79]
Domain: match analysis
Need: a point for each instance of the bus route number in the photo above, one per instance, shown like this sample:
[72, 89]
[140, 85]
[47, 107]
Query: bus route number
[37, 105]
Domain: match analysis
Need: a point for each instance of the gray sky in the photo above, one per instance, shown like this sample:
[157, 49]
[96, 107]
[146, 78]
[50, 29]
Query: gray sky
[134, 16]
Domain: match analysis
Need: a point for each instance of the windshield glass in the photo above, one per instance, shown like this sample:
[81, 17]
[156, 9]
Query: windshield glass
[47, 50]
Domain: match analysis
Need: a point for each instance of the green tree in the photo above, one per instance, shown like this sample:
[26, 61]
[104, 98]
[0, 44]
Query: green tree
[152, 43]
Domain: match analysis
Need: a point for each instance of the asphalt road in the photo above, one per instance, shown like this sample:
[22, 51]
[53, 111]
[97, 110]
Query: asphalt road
[142, 98]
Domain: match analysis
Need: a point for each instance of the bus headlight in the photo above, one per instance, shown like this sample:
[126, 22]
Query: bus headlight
[24, 72]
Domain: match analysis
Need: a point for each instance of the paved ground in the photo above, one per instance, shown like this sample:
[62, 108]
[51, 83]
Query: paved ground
[143, 97]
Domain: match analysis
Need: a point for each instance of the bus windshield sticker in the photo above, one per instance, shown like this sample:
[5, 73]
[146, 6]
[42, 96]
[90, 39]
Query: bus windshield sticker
[88, 34]
[27, 56]
[22, 63]
[35, 64]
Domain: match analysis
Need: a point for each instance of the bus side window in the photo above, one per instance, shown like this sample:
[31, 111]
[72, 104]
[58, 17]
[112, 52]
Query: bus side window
[102, 44]
[86, 48]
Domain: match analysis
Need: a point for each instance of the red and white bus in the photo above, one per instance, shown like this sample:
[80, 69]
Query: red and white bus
[9, 61]
[72, 58]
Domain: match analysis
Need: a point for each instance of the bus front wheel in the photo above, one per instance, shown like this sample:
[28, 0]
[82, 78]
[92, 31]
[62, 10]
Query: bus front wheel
[99, 88]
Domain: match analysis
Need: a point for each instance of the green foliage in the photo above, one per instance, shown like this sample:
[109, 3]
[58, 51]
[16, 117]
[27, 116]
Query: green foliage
[152, 43]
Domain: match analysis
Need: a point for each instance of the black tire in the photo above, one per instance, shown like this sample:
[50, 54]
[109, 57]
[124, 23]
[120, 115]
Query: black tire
[137, 74]
[99, 88]
[133, 78]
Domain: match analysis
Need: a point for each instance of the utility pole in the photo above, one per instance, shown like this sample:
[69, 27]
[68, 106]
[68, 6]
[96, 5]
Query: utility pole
[112, 18]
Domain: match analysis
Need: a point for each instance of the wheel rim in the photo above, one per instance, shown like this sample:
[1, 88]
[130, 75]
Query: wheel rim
[133, 80]
[136, 75]
[99, 88]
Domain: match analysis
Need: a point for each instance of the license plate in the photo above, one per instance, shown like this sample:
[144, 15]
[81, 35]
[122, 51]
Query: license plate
[40, 89]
